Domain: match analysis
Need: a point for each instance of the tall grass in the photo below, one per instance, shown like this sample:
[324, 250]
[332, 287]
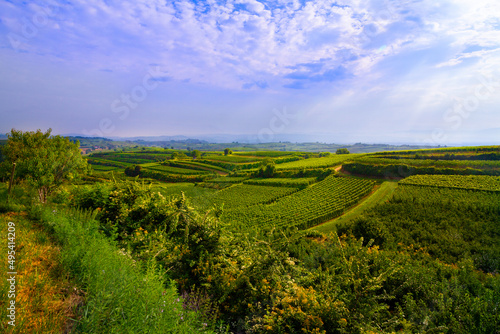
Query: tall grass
[121, 296]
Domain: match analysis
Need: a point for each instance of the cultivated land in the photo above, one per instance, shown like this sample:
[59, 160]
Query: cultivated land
[289, 242]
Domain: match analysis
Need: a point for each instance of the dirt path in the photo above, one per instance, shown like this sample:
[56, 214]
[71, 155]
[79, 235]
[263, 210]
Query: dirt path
[378, 195]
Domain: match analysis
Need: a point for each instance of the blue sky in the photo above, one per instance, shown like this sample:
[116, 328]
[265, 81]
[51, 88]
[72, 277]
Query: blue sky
[337, 71]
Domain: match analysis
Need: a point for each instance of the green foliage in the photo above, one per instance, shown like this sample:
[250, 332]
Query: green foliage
[267, 171]
[283, 182]
[195, 154]
[171, 168]
[314, 205]
[278, 281]
[44, 161]
[342, 151]
[482, 182]
[228, 179]
[331, 161]
[451, 224]
[121, 296]
[244, 195]
[227, 151]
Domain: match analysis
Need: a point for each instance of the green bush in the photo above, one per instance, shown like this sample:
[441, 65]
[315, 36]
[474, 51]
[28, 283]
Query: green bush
[122, 296]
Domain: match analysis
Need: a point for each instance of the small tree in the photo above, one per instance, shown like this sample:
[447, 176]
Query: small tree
[324, 154]
[196, 154]
[44, 161]
[342, 151]
[228, 151]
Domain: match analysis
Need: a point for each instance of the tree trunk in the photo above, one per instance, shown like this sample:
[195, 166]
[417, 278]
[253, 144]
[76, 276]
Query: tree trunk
[11, 180]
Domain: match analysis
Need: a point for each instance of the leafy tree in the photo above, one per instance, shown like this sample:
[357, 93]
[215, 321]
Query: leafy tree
[267, 171]
[174, 156]
[196, 154]
[133, 171]
[227, 151]
[324, 154]
[342, 151]
[44, 161]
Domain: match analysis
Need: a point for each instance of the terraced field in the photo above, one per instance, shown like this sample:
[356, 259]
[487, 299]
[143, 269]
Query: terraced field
[323, 201]
[317, 162]
[473, 182]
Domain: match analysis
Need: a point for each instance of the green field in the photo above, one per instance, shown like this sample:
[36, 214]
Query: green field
[381, 194]
[322, 201]
[332, 161]
[474, 182]
[274, 242]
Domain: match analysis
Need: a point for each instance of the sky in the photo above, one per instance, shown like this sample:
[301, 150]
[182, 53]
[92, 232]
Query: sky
[406, 71]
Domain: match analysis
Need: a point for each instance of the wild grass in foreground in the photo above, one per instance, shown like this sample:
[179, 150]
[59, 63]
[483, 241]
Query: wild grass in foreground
[121, 297]
[45, 297]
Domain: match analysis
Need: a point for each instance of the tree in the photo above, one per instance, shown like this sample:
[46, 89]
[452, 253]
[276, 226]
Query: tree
[228, 151]
[324, 154]
[342, 151]
[267, 171]
[44, 161]
[196, 154]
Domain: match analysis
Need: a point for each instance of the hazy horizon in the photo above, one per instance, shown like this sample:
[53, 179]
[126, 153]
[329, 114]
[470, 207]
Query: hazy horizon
[343, 72]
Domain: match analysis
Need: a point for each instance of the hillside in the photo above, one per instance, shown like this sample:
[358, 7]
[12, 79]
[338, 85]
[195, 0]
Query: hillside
[287, 242]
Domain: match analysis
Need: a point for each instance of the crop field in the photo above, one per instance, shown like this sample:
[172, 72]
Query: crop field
[265, 154]
[316, 162]
[380, 243]
[245, 195]
[474, 182]
[229, 179]
[283, 182]
[316, 204]
[174, 170]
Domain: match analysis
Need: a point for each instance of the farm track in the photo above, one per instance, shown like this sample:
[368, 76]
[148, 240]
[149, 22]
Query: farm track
[378, 195]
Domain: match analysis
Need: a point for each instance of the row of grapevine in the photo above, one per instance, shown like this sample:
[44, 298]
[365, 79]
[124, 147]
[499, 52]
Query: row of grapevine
[167, 177]
[245, 195]
[475, 182]
[283, 182]
[194, 165]
[106, 162]
[322, 201]
[175, 170]
[270, 154]
[479, 164]
[469, 149]
[228, 179]
[316, 162]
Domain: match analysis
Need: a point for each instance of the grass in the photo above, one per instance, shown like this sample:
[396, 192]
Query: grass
[121, 296]
[45, 296]
[381, 194]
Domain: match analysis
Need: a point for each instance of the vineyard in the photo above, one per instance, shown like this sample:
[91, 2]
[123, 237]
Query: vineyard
[474, 182]
[314, 205]
[283, 182]
[317, 162]
[277, 242]
[244, 195]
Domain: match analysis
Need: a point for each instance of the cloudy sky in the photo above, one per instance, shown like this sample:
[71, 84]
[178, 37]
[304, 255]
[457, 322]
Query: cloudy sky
[406, 71]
